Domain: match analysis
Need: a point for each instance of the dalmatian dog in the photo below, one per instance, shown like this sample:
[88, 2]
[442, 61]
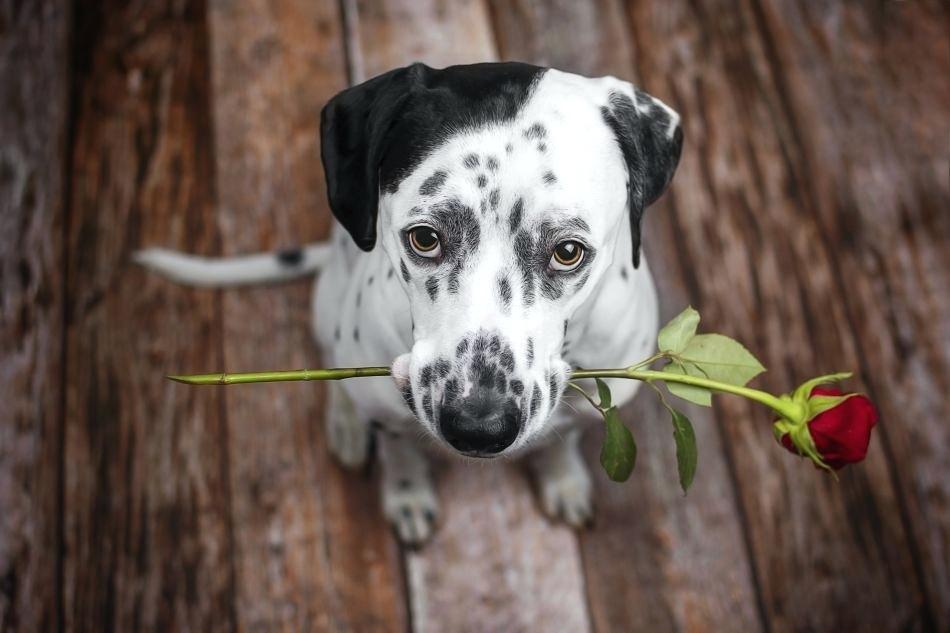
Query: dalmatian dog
[488, 241]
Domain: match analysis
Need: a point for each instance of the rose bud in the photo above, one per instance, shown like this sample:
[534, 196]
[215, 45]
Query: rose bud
[838, 432]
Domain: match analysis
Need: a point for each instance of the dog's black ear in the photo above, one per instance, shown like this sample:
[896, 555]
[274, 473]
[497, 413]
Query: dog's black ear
[650, 139]
[354, 130]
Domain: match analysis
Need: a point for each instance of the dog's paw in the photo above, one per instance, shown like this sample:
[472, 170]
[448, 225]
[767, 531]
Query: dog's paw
[412, 508]
[349, 439]
[566, 494]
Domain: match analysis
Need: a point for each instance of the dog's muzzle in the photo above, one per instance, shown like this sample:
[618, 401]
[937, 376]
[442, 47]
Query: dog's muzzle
[481, 425]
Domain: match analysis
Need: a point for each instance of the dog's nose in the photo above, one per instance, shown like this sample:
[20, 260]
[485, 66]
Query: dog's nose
[480, 425]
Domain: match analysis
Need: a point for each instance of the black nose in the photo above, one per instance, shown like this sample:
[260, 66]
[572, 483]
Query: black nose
[481, 424]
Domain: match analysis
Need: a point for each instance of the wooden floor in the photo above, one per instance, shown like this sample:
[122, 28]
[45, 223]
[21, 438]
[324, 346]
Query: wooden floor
[809, 219]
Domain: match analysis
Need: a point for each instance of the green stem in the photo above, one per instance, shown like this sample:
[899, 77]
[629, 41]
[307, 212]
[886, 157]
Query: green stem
[785, 408]
[281, 376]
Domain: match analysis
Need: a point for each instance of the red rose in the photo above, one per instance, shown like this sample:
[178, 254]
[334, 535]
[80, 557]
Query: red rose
[842, 433]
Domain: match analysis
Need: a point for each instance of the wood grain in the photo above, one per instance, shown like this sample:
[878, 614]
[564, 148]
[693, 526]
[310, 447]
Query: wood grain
[828, 556]
[495, 563]
[878, 184]
[147, 515]
[312, 549]
[655, 560]
[34, 77]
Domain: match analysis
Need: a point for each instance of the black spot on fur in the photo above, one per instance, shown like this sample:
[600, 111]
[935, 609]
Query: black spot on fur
[432, 287]
[549, 178]
[482, 181]
[514, 218]
[290, 257]
[462, 347]
[554, 389]
[427, 406]
[524, 252]
[454, 277]
[542, 147]
[504, 289]
[508, 360]
[492, 163]
[536, 131]
[404, 271]
[471, 161]
[535, 399]
[530, 351]
[494, 198]
[517, 387]
[433, 183]
[509, 148]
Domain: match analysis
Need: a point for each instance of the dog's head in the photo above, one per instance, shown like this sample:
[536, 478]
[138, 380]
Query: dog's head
[498, 192]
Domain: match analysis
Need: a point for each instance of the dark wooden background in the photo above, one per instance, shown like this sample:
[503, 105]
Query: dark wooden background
[809, 218]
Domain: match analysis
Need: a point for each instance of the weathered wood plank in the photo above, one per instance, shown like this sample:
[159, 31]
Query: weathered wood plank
[147, 531]
[654, 560]
[762, 267]
[313, 552]
[33, 122]
[867, 89]
[495, 563]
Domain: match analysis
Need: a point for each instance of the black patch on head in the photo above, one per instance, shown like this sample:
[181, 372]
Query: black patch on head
[549, 178]
[514, 218]
[404, 271]
[504, 290]
[530, 351]
[290, 257]
[414, 109]
[482, 181]
[433, 183]
[471, 161]
[650, 154]
[542, 147]
[432, 287]
[536, 131]
[492, 163]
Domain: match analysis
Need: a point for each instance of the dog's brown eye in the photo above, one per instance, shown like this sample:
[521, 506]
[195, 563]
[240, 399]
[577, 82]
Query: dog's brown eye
[567, 255]
[424, 241]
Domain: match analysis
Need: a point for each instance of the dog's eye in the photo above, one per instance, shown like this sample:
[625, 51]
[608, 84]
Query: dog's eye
[424, 241]
[567, 255]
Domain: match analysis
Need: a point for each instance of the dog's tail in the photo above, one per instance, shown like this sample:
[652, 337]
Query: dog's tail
[217, 272]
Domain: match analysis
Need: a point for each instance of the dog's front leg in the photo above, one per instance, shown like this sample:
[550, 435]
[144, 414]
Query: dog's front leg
[408, 496]
[348, 435]
[563, 481]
